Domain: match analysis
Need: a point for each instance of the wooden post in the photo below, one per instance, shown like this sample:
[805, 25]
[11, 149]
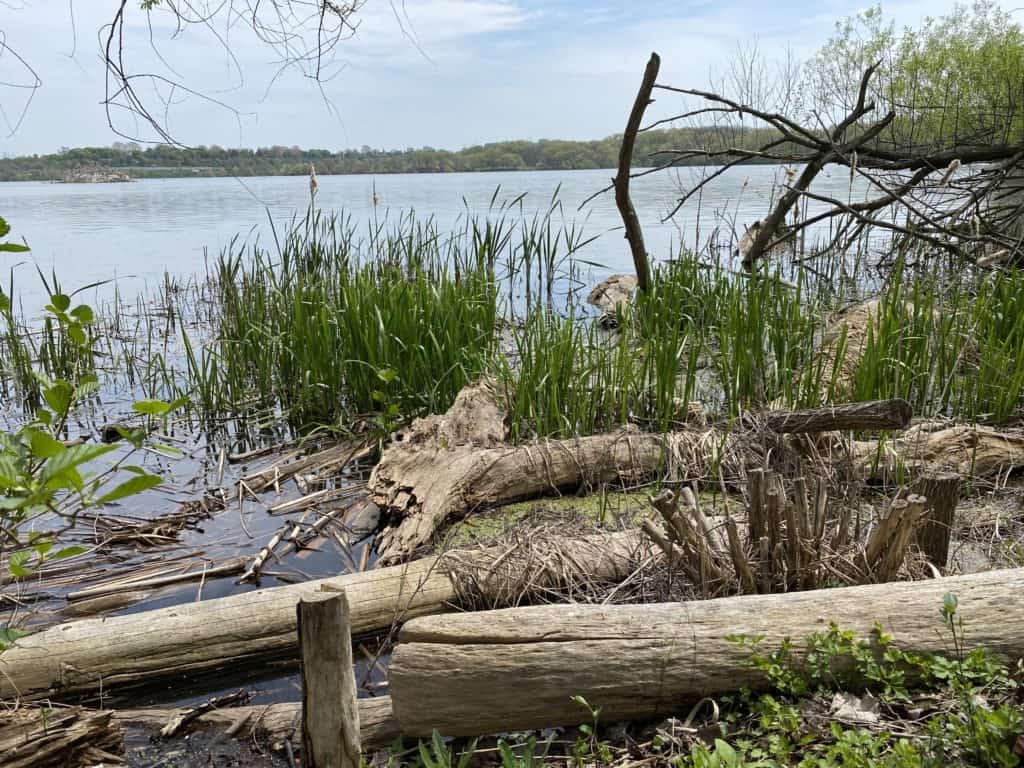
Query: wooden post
[941, 491]
[630, 220]
[330, 712]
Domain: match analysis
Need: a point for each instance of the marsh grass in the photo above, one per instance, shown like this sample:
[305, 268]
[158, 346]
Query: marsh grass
[333, 324]
[950, 344]
[334, 321]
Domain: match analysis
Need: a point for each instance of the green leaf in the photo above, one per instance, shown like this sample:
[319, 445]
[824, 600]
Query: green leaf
[12, 474]
[13, 247]
[42, 547]
[151, 407]
[61, 302]
[66, 552]
[10, 635]
[77, 334]
[16, 563]
[4, 227]
[130, 487]
[44, 445]
[71, 458]
[725, 751]
[43, 416]
[58, 396]
[387, 375]
[83, 314]
[10, 503]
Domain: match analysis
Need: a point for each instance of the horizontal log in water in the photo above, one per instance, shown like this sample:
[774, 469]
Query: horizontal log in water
[275, 722]
[124, 651]
[647, 660]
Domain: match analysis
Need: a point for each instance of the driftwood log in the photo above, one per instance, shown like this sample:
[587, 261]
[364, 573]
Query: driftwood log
[273, 722]
[444, 467]
[129, 651]
[647, 660]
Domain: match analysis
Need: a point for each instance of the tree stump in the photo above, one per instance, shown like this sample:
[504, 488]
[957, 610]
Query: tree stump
[330, 712]
[942, 491]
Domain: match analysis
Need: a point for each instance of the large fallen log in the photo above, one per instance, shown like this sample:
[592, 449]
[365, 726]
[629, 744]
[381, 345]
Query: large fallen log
[273, 722]
[636, 661]
[138, 649]
[446, 466]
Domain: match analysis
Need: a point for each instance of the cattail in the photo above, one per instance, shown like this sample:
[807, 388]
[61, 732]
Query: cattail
[314, 185]
[985, 262]
[952, 168]
[853, 164]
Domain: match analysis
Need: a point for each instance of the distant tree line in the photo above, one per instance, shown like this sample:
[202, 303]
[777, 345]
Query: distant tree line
[546, 154]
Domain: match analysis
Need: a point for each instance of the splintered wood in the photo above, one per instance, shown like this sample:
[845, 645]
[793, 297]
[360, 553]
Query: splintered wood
[33, 737]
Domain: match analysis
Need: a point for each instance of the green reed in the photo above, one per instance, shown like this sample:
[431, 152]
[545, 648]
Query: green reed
[337, 323]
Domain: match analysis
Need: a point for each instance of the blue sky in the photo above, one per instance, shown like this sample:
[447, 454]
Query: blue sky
[443, 73]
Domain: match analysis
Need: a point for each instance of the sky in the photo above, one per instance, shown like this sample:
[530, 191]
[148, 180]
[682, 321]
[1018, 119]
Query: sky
[440, 73]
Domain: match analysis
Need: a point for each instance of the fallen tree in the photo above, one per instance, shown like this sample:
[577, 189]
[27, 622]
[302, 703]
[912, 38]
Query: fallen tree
[128, 651]
[274, 722]
[635, 661]
[445, 466]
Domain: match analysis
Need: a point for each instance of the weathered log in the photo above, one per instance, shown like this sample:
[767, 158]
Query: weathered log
[444, 467]
[871, 414]
[941, 491]
[647, 660]
[969, 450]
[125, 651]
[330, 715]
[274, 722]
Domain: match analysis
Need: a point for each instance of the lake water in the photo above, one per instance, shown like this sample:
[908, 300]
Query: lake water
[135, 232]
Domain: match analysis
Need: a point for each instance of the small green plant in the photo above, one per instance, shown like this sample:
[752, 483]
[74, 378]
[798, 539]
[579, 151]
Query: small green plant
[439, 755]
[525, 757]
[45, 481]
[977, 725]
[588, 746]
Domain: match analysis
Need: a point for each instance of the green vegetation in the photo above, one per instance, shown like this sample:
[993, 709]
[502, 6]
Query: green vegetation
[337, 325]
[546, 154]
[46, 480]
[955, 81]
[332, 325]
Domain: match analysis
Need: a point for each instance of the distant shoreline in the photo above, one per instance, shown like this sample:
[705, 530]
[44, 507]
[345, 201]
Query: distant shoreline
[653, 147]
[140, 174]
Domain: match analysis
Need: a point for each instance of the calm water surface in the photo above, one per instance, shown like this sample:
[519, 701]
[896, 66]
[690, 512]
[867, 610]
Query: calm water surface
[135, 232]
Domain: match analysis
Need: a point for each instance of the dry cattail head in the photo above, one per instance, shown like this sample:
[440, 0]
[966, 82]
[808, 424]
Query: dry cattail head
[952, 168]
[313, 183]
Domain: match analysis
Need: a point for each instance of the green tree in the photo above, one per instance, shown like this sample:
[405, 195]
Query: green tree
[954, 81]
